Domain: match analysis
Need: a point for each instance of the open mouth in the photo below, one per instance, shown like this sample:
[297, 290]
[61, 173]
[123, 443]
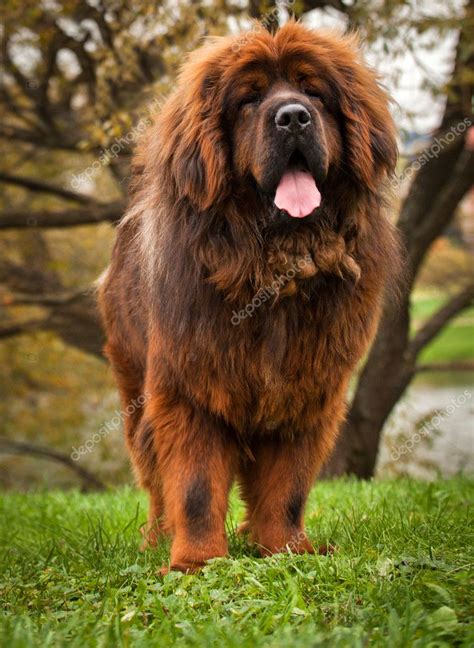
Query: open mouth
[298, 161]
[297, 192]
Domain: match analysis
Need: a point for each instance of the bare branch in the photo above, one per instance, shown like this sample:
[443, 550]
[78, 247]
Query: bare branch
[75, 319]
[65, 218]
[18, 328]
[37, 138]
[85, 60]
[448, 199]
[446, 366]
[45, 187]
[22, 81]
[16, 109]
[97, 14]
[439, 320]
[90, 481]
[26, 299]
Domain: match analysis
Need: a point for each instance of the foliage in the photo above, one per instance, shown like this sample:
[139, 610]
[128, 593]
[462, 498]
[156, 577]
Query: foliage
[55, 394]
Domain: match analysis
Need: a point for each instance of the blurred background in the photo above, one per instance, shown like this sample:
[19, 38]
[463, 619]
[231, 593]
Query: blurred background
[79, 83]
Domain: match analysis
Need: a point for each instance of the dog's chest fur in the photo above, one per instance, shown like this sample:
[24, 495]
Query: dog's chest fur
[277, 369]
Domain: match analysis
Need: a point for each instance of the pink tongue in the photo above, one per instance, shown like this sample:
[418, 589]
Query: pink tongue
[297, 193]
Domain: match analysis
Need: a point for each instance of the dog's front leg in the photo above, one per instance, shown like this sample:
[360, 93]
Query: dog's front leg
[275, 486]
[196, 462]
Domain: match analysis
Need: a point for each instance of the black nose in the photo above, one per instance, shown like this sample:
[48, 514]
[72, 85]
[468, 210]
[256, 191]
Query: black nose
[292, 118]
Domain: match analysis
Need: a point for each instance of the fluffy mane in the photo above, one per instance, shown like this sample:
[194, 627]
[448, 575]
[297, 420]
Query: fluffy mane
[192, 218]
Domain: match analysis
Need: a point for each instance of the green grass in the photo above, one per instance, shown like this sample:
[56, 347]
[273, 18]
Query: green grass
[71, 574]
[455, 342]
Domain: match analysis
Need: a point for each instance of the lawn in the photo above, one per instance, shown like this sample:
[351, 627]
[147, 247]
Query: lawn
[71, 574]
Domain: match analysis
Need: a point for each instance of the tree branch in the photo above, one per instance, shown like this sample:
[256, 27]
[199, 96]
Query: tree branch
[65, 218]
[26, 299]
[86, 62]
[45, 187]
[445, 206]
[90, 481]
[437, 322]
[16, 109]
[22, 81]
[38, 138]
[17, 328]
[446, 366]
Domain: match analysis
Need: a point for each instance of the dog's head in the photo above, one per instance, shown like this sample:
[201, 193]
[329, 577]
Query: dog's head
[295, 116]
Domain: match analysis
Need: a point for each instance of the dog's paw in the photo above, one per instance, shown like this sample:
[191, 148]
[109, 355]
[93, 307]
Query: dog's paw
[185, 568]
[326, 549]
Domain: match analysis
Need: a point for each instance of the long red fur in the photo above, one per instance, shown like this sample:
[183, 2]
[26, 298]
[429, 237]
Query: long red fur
[260, 400]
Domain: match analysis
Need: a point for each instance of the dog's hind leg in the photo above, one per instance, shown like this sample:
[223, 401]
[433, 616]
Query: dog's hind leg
[129, 376]
[145, 461]
[133, 398]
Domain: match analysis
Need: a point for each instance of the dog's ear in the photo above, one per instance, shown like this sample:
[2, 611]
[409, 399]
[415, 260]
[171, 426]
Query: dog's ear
[371, 146]
[195, 154]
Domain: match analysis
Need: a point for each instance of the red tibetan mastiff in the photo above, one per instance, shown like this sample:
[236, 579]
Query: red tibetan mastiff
[246, 281]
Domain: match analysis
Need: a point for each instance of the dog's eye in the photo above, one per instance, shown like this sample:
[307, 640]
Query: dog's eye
[250, 100]
[313, 93]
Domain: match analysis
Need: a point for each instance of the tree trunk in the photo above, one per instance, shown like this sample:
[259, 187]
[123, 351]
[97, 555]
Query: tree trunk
[441, 182]
[391, 363]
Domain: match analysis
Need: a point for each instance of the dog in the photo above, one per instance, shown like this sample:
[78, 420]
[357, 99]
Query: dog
[247, 281]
